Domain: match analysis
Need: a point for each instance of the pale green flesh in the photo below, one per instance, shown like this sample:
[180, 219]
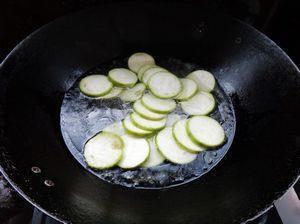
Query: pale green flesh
[189, 89]
[95, 85]
[135, 152]
[145, 112]
[155, 157]
[137, 60]
[206, 131]
[181, 136]
[204, 79]
[131, 128]
[173, 118]
[202, 103]
[158, 105]
[122, 77]
[164, 85]
[134, 93]
[146, 124]
[103, 150]
[171, 150]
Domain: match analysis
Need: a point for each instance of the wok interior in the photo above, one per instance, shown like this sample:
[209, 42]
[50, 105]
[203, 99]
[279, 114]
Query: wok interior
[260, 79]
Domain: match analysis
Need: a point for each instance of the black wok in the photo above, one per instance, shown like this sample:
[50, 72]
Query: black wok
[261, 81]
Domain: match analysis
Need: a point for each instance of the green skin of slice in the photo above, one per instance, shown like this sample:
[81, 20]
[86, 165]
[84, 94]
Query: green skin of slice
[94, 95]
[158, 111]
[135, 133]
[186, 98]
[142, 127]
[197, 141]
[111, 165]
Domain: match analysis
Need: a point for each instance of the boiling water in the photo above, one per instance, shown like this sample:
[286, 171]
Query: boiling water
[82, 117]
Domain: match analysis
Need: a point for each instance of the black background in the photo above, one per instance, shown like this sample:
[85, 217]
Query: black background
[278, 19]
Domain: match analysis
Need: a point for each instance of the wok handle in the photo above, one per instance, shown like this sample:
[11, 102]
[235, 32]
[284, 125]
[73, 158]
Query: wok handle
[288, 207]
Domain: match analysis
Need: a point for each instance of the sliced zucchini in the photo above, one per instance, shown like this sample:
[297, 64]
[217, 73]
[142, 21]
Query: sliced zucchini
[181, 136]
[205, 80]
[189, 89]
[171, 150]
[150, 72]
[202, 103]
[122, 77]
[134, 93]
[173, 118]
[133, 129]
[112, 94]
[164, 85]
[95, 85]
[147, 124]
[103, 150]
[158, 105]
[206, 131]
[155, 157]
[145, 112]
[143, 69]
[116, 128]
[137, 60]
[135, 152]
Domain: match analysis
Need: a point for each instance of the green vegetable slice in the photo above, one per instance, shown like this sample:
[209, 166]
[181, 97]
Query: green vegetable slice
[171, 150]
[137, 60]
[164, 85]
[122, 77]
[95, 85]
[181, 136]
[202, 103]
[135, 152]
[206, 131]
[103, 150]
[158, 105]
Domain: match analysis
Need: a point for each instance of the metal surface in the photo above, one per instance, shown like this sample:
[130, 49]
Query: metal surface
[260, 79]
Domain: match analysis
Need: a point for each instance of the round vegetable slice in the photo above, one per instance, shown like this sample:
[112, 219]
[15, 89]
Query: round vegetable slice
[201, 104]
[164, 85]
[155, 157]
[170, 149]
[133, 129]
[103, 150]
[95, 85]
[135, 152]
[122, 77]
[143, 69]
[150, 72]
[173, 118]
[181, 136]
[147, 124]
[137, 60]
[189, 89]
[134, 93]
[206, 131]
[205, 80]
[145, 112]
[158, 105]
[116, 128]
[112, 94]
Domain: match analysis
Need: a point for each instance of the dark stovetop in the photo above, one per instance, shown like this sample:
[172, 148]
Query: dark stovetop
[278, 19]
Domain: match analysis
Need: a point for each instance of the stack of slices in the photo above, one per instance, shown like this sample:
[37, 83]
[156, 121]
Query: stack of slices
[150, 134]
